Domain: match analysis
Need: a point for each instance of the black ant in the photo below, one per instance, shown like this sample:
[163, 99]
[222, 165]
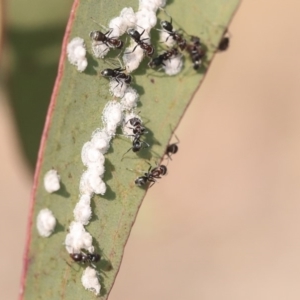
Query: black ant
[136, 36]
[117, 74]
[85, 257]
[111, 42]
[159, 60]
[196, 51]
[172, 148]
[177, 37]
[138, 130]
[151, 175]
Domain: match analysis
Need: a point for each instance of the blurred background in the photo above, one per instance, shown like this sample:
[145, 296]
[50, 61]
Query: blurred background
[225, 222]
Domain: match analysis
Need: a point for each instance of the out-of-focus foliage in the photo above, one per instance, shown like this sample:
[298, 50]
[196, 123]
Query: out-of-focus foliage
[34, 36]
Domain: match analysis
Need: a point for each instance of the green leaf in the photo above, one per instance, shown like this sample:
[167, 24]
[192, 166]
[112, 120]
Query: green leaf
[75, 112]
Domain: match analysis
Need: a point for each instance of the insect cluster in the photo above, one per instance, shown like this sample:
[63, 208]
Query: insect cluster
[120, 112]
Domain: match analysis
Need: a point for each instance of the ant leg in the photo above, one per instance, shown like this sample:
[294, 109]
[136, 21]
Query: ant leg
[168, 36]
[152, 180]
[142, 33]
[165, 11]
[126, 153]
[145, 144]
[178, 141]
[119, 80]
[132, 50]
[125, 135]
[149, 166]
[102, 42]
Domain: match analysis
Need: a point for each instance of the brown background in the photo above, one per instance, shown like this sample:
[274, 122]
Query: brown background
[224, 223]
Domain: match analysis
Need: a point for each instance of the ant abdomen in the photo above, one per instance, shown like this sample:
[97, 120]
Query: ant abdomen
[76, 257]
[224, 44]
[141, 181]
[173, 148]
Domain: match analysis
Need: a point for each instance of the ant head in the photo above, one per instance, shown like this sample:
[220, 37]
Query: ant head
[140, 181]
[133, 33]
[96, 35]
[107, 72]
[93, 34]
[155, 62]
[166, 26]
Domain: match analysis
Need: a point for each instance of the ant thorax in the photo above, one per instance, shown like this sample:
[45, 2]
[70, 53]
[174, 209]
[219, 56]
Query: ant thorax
[118, 81]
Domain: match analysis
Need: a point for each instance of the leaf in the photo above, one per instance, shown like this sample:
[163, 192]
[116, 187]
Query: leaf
[74, 113]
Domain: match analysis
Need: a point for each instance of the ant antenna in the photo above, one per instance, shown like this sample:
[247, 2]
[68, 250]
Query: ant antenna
[142, 142]
[117, 58]
[126, 153]
[165, 11]
[136, 171]
[105, 28]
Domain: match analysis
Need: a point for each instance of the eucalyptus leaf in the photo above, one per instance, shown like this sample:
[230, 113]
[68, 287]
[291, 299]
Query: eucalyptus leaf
[75, 112]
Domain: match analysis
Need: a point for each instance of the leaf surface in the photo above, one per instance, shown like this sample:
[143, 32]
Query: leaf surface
[74, 113]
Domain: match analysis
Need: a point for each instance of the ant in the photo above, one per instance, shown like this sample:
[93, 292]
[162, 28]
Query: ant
[117, 74]
[136, 36]
[172, 148]
[151, 175]
[110, 42]
[196, 51]
[85, 257]
[138, 130]
[168, 27]
[159, 60]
